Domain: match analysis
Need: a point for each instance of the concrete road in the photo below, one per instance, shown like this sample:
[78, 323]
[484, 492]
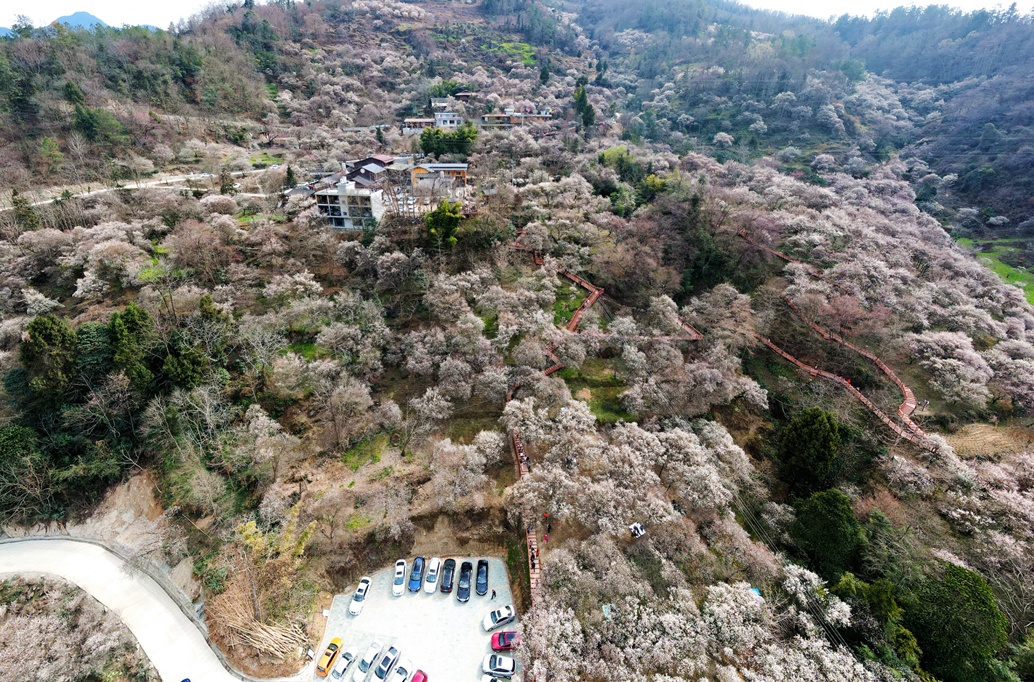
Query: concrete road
[436, 632]
[171, 640]
[169, 181]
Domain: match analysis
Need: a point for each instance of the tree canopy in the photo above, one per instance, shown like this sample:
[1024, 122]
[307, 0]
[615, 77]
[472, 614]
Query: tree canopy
[958, 623]
[809, 448]
[828, 532]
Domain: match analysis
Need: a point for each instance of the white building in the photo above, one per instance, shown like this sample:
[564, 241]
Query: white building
[349, 207]
[447, 120]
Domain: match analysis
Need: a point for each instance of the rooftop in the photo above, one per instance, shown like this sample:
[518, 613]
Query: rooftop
[443, 166]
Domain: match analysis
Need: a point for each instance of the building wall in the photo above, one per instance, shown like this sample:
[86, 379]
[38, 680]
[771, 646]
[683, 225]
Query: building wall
[350, 209]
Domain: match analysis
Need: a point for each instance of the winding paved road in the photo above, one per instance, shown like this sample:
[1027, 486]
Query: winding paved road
[172, 641]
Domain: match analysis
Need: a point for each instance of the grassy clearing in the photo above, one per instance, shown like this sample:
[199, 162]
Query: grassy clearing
[366, 450]
[309, 351]
[522, 52]
[568, 300]
[597, 385]
[989, 252]
[491, 321]
[248, 219]
[357, 521]
[265, 160]
[463, 430]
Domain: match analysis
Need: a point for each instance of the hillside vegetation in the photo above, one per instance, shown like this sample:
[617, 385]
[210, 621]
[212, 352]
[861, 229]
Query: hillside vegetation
[815, 400]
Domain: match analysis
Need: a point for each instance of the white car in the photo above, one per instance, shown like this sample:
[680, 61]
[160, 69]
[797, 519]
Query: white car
[366, 662]
[403, 670]
[398, 585]
[497, 665]
[431, 581]
[275, 166]
[343, 661]
[355, 607]
[498, 618]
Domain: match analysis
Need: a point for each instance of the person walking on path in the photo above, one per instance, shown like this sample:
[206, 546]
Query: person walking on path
[493, 594]
[549, 527]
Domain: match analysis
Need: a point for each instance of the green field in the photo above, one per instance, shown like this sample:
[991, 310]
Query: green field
[568, 299]
[264, 160]
[596, 384]
[990, 252]
[522, 52]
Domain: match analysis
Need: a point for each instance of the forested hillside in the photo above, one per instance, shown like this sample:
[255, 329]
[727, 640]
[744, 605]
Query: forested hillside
[717, 279]
[947, 88]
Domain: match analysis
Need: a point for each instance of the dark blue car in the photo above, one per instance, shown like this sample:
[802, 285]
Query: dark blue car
[416, 576]
[463, 584]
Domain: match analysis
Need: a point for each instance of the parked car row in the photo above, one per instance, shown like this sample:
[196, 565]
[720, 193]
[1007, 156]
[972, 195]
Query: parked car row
[496, 666]
[438, 575]
[387, 666]
[429, 576]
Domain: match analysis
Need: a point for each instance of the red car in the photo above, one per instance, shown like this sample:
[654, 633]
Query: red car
[419, 676]
[505, 641]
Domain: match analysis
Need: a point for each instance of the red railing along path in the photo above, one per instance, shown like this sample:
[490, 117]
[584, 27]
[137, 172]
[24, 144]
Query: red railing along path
[918, 439]
[908, 404]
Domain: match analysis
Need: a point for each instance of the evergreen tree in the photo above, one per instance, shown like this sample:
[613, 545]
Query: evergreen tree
[226, 182]
[74, 94]
[809, 448]
[93, 352]
[24, 214]
[958, 624]
[186, 366]
[432, 141]
[582, 106]
[48, 354]
[442, 223]
[50, 156]
[130, 332]
[436, 141]
[828, 532]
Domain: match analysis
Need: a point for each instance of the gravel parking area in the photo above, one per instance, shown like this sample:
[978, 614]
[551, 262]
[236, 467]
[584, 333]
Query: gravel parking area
[441, 636]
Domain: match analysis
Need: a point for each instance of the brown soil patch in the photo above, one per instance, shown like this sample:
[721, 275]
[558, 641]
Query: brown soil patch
[445, 539]
[585, 394]
[984, 440]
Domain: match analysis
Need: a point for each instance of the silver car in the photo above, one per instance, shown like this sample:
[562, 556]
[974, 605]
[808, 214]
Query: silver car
[499, 666]
[343, 661]
[355, 607]
[403, 670]
[431, 579]
[366, 662]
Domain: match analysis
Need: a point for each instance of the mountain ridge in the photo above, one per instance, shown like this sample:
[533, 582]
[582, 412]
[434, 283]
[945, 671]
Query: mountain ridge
[80, 19]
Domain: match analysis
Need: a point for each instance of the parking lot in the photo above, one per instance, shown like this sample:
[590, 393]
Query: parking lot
[441, 636]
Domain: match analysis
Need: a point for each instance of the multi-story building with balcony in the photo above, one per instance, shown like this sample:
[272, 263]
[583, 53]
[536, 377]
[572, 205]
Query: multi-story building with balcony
[349, 207]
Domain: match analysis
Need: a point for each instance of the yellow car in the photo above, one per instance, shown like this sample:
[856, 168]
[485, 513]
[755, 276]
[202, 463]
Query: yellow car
[326, 661]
